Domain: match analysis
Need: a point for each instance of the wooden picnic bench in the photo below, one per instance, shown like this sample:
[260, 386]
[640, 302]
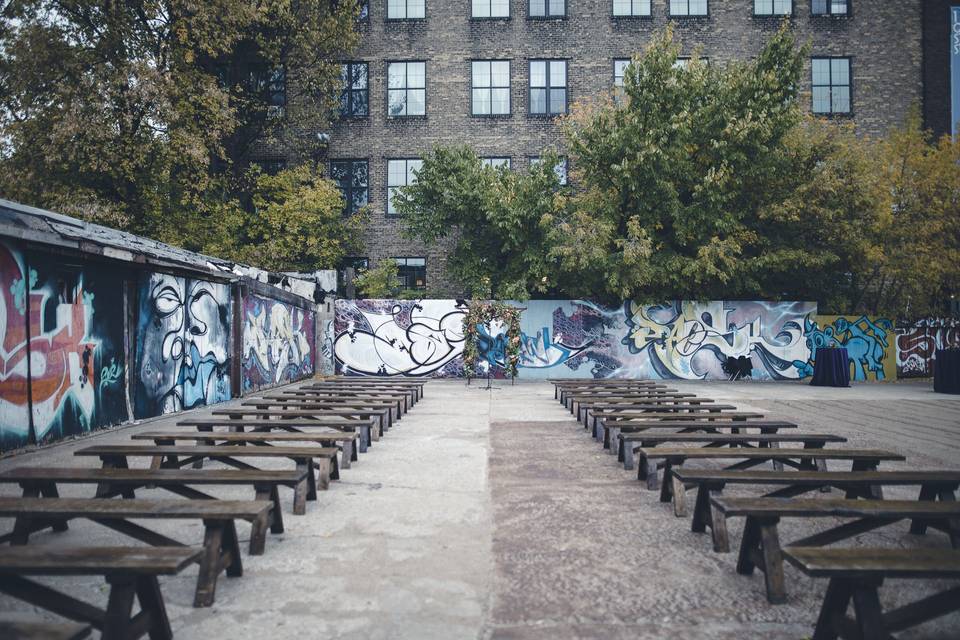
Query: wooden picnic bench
[857, 574]
[414, 388]
[381, 415]
[398, 401]
[607, 428]
[345, 442]
[652, 438]
[131, 573]
[389, 409]
[562, 391]
[623, 437]
[804, 459]
[174, 457]
[10, 630]
[362, 428]
[44, 481]
[613, 403]
[221, 548]
[857, 484]
[760, 543]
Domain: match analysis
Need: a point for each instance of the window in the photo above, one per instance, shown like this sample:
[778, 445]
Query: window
[496, 163]
[682, 62]
[356, 263]
[631, 8]
[619, 68]
[491, 87]
[400, 173]
[490, 9]
[355, 96]
[277, 88]
[548, 8]
[688, 7]
[406, 9]
[548, 87]
[829, 7]
[351, 177]
[560, 168]
[830, 85]
[407, 92]
[772, 7]
[412, 273]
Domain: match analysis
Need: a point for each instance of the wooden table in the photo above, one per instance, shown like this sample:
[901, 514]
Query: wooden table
[131, 573]
[381, 415]
[240, 425]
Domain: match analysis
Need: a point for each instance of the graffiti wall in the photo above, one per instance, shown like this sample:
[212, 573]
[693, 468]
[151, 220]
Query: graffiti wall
[278, 343]
[917, 344]
[183, 344]
[681, 339]
[869, 343]
[62, 348]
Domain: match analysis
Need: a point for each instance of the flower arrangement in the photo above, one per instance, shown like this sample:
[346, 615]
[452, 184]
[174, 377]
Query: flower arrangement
[483, 313]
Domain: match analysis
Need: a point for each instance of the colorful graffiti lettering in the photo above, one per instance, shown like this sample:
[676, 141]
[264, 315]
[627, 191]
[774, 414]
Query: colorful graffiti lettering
[864, 339]
[183, 344]
[917, 345]
[278, 340]
[66, 335]
[576, 338]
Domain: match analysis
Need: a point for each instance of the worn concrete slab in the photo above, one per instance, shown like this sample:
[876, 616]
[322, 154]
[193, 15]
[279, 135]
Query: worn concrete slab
[492, 514]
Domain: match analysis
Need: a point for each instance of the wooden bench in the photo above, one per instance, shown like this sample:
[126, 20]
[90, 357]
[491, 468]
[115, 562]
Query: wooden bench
[415, 390]
[173, 457]
[760, 543]
[857, 574]
[627, 396]
[652, 438]
[221, 548]
[381, 415]
[398, 402]
[624, 437]
[362, 428]
[615, 403]
[43, 481]
[389, 409]
[562, 391]
[608, 429]
[131, 573]
[346, 443]
[803, 459]
[857, 484]
[43, 630]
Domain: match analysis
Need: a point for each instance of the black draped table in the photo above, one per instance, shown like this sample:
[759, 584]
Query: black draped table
[831, 368]
[946, 371]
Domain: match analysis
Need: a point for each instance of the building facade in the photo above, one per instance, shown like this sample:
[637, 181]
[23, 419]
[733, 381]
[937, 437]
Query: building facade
[493, 74]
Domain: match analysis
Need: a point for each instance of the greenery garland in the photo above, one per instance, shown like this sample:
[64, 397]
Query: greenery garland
[483, 313]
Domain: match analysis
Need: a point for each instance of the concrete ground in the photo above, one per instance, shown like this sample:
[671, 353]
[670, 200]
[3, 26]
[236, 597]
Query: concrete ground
[492, 514]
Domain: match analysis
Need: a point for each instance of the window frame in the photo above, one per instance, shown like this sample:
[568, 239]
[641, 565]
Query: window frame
[773, 14]
[688, 15]
[406, 172]
[509, 88]
[546, 12]
[397, 259]
[406, 8]
[406, 89]
[849, 86]
[348, 202]
[830, 13]
[506, 17]
[486, 161]
[349, 91]
[615, 61]
[566, 87]
[564, 160]
[631, 15]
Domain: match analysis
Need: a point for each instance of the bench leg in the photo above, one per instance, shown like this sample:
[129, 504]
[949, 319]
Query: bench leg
[628, 457]
[833, 610]
[701, 510]
[151, 604]
[773, 563]
[346, 454]
[324, 474]
[679, 491]
[258, 534]
[334, 468]
[312, 479]
[718, 530]
[919, 526]
[272, 493]
[613, 437]
[209, 565]
[116, 622]
[748, 543]
[868, 612]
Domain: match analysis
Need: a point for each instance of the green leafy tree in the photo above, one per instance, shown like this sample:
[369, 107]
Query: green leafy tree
[499, 219]
[381, 281]
[141, 114]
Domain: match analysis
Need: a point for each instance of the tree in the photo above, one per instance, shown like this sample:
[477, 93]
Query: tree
[141, 114]
[295, 222]
[498, 217]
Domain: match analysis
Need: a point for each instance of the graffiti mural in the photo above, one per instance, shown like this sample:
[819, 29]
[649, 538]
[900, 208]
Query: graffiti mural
[917, 344]
[869, 345]
[570, 339]
[278, 343]
[183, 344]
[67, 321]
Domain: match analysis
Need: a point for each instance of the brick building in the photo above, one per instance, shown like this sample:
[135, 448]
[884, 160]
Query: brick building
[491, 72]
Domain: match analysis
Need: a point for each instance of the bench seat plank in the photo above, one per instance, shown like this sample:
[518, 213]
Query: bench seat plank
[10, 630]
